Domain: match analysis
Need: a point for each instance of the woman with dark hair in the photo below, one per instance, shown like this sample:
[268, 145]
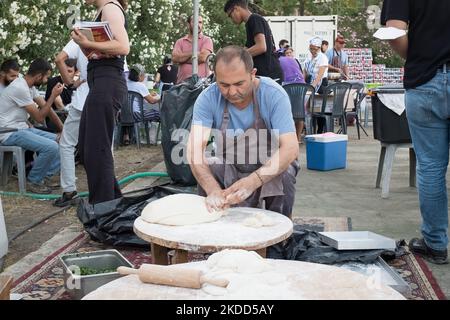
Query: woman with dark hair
[107, 92]
[166, 75]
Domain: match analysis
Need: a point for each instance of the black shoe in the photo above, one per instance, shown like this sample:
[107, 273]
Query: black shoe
[67, 199]
[419, 247]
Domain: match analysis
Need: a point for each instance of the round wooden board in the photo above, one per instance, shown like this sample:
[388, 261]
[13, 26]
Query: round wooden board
[226, 233]
[302, 280]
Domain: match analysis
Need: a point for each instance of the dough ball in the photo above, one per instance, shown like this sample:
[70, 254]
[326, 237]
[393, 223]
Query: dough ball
[240, 261]
[252, 222]
[258, 220]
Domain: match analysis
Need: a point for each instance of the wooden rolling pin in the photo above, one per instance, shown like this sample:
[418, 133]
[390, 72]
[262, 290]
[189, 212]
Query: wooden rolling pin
[172, 276]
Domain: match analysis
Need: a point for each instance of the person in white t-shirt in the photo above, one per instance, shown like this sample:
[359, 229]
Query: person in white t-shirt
[69, 137]
[315, 67]
[9, 71]
[135, 82]
[18, 102]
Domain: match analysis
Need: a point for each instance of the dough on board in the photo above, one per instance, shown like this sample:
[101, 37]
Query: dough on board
[236, 260]
[249, 274]
[258, 220]
[179, 210]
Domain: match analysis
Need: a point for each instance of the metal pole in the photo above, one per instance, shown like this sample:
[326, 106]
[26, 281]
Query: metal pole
[195, 38]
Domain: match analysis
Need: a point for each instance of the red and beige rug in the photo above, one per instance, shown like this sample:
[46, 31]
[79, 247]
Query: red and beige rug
[44, 281]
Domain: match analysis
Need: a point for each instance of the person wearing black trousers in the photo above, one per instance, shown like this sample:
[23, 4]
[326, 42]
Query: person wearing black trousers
[107, 92]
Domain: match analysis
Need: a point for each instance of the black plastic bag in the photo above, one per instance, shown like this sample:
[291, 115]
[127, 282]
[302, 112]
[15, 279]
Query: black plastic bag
[112, 222]
[305, 245]
[176, 113]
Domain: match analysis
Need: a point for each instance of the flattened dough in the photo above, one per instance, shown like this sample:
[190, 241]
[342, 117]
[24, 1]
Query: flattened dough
[179, 210]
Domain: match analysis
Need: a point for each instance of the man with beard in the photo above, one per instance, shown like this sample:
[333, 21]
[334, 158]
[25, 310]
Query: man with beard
[182, 52]
[19, 101]
[9, 71]
[253, 116]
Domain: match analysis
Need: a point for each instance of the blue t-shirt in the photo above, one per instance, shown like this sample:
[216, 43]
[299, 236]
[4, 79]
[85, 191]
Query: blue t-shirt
[337, 59]
[274, 103]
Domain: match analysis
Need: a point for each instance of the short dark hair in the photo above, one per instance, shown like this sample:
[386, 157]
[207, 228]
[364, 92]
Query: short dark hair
[167, 60]
[189, 19]
[232, 3]
[282, 42]
[71, 63]
[229, 53]
[39, 66]
[133, 75]
[324, 42]
[10, 64]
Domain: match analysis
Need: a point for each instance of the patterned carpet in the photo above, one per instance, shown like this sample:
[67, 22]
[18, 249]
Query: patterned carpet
[45, 280]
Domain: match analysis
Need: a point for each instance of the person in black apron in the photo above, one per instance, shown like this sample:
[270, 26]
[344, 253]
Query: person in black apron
[107, 93]
[224, 179]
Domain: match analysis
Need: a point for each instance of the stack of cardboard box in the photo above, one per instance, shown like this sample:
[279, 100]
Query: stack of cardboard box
[361, 68]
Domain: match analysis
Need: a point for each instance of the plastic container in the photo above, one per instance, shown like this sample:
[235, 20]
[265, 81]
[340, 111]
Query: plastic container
[389, 127]
[3, 237]
[327, 151]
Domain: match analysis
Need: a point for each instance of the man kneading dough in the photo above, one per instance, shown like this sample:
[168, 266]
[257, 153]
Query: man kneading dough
[245, 112]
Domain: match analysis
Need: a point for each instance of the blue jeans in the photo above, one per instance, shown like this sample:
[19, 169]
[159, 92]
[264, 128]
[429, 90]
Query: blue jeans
[428, 113]
[44, 144]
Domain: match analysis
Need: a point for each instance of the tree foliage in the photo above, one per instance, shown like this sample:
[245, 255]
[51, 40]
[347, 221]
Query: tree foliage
[38, 28]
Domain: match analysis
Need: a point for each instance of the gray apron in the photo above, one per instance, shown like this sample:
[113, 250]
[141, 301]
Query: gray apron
[279, 192]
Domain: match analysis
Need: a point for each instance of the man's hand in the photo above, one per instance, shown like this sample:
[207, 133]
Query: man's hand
[78, 83]
[57, 89]
[242, 189]
[215, 201]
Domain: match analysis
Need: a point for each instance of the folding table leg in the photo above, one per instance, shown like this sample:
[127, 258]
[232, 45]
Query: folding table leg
[380, 166]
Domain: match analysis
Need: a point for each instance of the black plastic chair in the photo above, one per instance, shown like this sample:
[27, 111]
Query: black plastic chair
[356, 111]
[127, 119]
[297, 95]
[340, 92]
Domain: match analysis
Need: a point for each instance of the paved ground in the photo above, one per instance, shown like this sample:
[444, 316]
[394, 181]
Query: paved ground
[341, 193]
[351, 193]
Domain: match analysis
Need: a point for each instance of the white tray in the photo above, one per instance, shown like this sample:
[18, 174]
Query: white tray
[357, 240]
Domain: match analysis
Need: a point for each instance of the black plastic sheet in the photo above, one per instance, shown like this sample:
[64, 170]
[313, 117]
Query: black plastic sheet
[112, 222]
[305, 245]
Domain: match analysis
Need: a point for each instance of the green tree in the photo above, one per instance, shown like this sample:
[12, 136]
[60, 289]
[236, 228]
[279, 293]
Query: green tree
[38, 28]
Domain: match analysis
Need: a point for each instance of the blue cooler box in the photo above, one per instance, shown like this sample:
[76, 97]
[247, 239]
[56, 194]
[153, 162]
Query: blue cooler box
[327, 151]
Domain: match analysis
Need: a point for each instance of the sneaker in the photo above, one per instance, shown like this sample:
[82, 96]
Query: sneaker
[419, 247]
[52, 183]
[67, 199]
[38, 188]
